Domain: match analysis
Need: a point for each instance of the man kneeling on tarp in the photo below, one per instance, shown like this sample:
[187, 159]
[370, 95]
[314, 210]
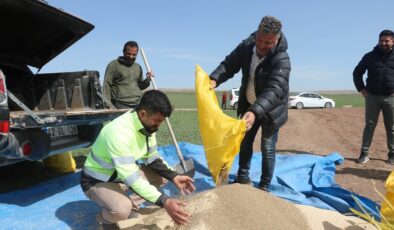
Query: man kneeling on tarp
[114, 165]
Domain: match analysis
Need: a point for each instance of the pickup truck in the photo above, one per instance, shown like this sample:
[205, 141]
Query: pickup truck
[44, 114]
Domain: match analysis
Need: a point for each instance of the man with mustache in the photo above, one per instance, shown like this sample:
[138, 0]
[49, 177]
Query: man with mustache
[263, 96]
[378, 92]
[124, 158]
[123, 82]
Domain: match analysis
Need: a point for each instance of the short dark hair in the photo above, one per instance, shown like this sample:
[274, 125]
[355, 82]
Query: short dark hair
[131, 44]
[386, 33]
[270, 25]
[155, 101]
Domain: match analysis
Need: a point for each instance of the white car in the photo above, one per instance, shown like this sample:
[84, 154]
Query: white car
[310, 100]
[234, 94]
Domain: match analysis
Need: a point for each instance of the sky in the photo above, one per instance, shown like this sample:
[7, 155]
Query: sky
[326, 39]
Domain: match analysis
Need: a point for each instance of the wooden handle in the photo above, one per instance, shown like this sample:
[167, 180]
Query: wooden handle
[178, 150]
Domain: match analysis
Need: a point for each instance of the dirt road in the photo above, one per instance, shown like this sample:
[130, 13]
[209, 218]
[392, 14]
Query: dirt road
[322, 131]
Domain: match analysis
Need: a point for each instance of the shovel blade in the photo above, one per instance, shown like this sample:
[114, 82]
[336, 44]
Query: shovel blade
[190, 170]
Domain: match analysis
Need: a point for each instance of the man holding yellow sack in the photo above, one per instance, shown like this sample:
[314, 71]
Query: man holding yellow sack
[263, 95]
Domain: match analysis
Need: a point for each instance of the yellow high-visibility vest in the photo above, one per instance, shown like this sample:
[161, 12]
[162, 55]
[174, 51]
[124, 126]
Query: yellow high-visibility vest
[119, 145]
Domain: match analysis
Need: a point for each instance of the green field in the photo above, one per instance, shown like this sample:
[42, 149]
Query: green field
[182, 99]
[354, 100]
[185, 127]
[187, 99]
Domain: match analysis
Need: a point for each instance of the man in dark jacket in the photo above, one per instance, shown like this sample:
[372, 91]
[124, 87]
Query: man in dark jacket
[378, 92]
[123, 81]
[263, 95]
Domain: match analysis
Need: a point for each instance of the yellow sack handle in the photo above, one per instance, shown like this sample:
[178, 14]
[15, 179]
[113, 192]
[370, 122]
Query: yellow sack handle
[221, 134]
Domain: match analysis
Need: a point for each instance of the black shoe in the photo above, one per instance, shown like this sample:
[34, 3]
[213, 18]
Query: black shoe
[242, 181]
[133, 214]
[390, 160]
[108, 227]
[104, 226]
[363, 158]
[264, 188]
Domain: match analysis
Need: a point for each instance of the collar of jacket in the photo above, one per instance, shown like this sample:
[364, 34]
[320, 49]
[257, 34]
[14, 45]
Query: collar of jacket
[122, 61]
[145, 132]
[377, 50]
[280, 47]
[138, 124]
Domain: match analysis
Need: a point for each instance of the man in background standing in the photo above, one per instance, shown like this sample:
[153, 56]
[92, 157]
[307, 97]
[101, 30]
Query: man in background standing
[224, 100]
[123, 82]
[263, 95]
[378, 92]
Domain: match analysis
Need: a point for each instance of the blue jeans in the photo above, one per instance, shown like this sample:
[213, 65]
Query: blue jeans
[268, 143]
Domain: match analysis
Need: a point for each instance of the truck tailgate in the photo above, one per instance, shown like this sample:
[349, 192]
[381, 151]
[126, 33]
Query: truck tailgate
[22, 119]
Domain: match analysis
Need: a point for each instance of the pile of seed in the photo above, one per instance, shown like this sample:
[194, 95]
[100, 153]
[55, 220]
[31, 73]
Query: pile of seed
[227, 207]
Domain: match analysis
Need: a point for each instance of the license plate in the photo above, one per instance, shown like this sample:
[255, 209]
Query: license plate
[62, 131]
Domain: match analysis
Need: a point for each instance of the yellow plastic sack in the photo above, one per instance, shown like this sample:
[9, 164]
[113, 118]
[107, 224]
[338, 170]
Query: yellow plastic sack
[221, 134]
[63, 163]
[387, 208]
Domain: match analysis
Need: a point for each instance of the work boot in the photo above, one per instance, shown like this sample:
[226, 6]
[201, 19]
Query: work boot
[133, 214]
[264, 188]
[108, 227]
[239, 180]
[363, 158]
[390, 160]
[104, 226]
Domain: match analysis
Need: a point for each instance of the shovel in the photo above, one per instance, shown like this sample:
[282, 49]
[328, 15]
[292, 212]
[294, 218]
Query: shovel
[185, 167]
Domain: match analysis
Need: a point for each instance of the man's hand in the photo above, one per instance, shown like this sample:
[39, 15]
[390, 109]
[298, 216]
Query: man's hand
[364, 92]
[184, 184]
[249, 117]
[213, 85]
[150, 74]
[176, 212]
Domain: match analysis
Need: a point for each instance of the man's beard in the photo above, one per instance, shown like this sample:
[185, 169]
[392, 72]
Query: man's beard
[129, 62]
[385, 49]
[151, 130]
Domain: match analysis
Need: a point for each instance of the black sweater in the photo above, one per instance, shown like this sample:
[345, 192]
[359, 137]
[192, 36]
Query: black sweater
[380, 76]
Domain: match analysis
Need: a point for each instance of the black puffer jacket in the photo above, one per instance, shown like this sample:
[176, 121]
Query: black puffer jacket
[271, 81]
[380, 80]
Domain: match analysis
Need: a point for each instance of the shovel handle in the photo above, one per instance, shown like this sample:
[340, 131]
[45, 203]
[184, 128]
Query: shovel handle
[178, 150]
[148, 68]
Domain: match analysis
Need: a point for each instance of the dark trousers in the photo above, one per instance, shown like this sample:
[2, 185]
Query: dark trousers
[373, 105]
[224, 105]
[268, 143]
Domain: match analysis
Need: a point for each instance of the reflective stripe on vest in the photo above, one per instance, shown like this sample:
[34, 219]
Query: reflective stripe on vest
[96, 175]
[132, 178]
[152, 158]
[123, 160]
[101, 162]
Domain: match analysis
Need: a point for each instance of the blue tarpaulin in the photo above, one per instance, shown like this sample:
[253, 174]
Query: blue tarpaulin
[60, 203]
